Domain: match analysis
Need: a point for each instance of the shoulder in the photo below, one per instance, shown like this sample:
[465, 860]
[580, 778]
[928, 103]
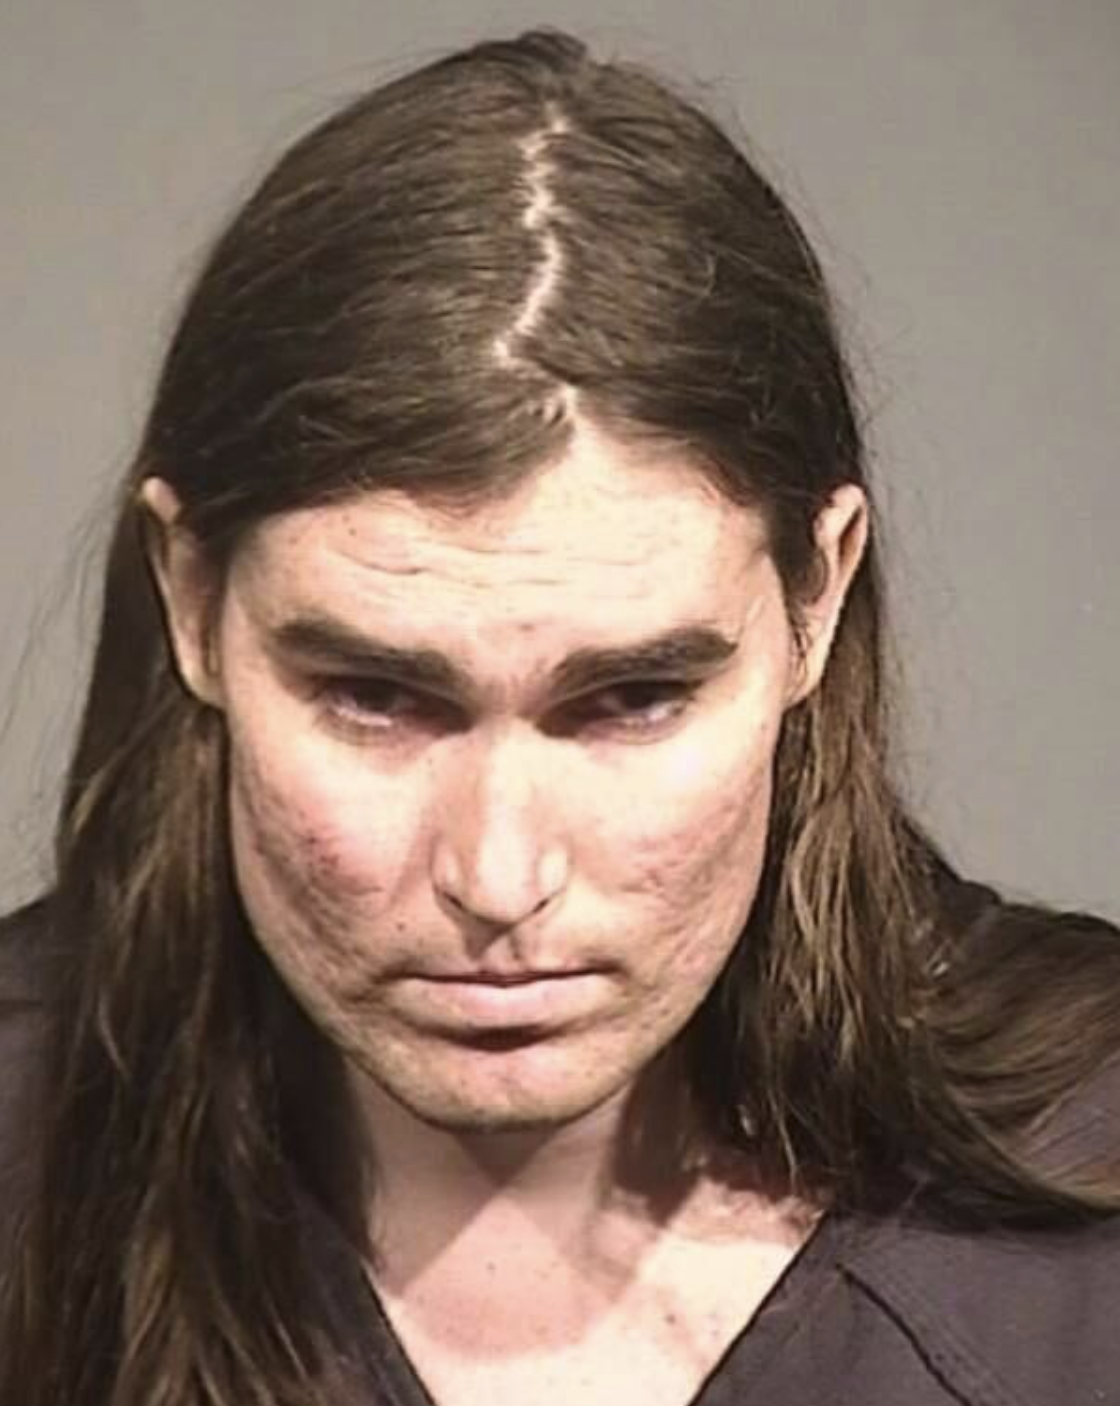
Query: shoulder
[24, 941]
[1027, 1019]
[1015, 1317]
[984, 927]
[1003, 1313]
[24, 982]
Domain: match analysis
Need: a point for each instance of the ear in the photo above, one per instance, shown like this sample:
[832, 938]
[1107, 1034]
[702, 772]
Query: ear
[841, 532]
[187, 586]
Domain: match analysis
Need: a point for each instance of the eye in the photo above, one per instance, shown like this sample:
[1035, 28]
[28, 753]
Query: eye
[641, 706]
[372, 705]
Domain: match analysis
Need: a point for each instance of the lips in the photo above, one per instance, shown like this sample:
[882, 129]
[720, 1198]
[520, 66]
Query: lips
[518, 978]
[460, 1002]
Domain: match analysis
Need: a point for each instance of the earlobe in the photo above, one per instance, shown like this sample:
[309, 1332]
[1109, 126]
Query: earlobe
[841, 533]
[185, 582]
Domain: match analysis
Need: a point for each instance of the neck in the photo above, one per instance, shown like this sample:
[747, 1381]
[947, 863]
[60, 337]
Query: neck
[587, 1200]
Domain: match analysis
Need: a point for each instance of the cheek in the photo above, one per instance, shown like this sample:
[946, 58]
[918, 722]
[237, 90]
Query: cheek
[684, 859]
[317, 836]
[695, 838]
[320, 888]
[689, 885]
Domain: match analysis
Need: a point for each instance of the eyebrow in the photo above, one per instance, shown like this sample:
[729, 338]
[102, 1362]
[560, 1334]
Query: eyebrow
[693, 651]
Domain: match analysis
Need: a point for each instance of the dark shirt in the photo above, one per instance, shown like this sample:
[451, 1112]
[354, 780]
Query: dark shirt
[896, 1311]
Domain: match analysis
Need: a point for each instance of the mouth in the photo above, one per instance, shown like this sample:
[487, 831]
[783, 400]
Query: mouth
[513, 978]
[462, 1003]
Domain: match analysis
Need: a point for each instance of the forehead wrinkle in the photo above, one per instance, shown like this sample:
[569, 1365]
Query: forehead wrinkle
[428, 554]
[650, 579]
[383, 550]
[638, 538]
[565, 574]
[721, 576]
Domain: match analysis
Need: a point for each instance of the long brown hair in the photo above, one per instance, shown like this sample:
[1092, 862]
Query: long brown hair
[415, 296]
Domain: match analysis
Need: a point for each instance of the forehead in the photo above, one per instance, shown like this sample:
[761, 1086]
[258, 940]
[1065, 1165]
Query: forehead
[607, 529]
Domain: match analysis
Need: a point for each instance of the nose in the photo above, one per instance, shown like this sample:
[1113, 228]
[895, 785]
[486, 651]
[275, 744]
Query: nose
[498, 855]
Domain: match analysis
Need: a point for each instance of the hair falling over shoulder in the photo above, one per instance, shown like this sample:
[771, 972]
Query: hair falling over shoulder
[384, 312]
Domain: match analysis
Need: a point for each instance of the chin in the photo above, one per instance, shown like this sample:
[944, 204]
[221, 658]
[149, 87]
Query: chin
[484, 1122]
[531, 1089]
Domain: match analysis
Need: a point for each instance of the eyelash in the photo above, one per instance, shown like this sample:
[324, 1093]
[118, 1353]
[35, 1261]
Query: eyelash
[342, 701]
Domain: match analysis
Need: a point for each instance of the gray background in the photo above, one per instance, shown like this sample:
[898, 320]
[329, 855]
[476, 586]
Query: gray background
[958, 161]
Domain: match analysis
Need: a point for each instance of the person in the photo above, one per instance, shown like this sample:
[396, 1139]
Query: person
[488, 958]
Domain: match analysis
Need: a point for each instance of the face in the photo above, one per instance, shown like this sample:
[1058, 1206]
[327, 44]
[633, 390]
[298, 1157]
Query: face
[500, 785]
